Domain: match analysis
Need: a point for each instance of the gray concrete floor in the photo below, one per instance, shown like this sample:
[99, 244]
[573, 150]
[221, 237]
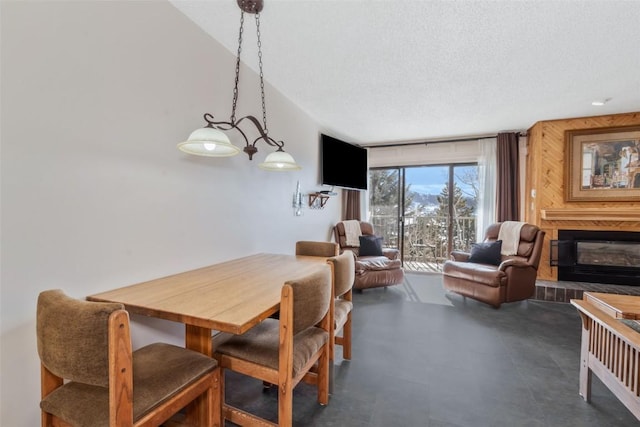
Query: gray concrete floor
[423, 357]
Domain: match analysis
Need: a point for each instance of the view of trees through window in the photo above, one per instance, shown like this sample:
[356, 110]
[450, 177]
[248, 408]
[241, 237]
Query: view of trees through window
[425, 211]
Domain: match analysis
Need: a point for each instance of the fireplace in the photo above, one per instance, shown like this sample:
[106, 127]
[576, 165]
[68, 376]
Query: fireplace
[597, 256]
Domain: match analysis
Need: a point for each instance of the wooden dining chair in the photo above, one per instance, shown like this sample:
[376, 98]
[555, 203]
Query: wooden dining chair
[281, 351]
[91, 378]
[311, 248]
[343, 277]
[304, 248]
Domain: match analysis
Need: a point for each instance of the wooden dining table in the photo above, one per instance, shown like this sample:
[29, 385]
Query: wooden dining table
[231, 296]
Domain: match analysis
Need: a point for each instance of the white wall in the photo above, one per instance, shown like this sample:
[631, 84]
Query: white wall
[95, 195]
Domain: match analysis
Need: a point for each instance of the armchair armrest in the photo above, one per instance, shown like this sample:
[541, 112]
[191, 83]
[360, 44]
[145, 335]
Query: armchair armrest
[391, 253]
[514, 263]
[520, 277]
[460, 256]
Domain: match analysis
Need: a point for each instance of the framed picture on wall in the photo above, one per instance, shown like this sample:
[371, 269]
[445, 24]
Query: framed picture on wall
[602, 164]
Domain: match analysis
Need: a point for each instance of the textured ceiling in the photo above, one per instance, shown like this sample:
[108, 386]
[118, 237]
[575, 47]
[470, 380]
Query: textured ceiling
[392, 71]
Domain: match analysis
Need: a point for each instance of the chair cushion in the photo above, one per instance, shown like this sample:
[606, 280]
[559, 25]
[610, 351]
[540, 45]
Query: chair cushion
[80, 405]
[528, 235]
[73, 337]
[391, 253]
[376, 263]
[313, 248]
[376, 278]
[486, 253]
[370, 246]
[159, 372]
[341, 311]
[344, 272]
[341, 238]
[260, 345]
[312, 296]
[482, 274]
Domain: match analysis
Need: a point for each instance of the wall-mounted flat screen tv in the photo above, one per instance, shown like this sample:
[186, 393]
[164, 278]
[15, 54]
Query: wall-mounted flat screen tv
[343, 164]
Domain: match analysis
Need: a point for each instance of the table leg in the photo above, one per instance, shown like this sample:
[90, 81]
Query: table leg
[198, 339]
[585, 373]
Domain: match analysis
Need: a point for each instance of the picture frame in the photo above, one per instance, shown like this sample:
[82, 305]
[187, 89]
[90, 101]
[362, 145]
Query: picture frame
[602, 164]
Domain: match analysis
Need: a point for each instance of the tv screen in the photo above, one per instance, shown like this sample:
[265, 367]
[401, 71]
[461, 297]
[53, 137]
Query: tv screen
[343, 164]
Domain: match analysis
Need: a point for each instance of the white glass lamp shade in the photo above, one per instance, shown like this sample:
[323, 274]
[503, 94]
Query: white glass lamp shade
[279, 161]
[210, 142]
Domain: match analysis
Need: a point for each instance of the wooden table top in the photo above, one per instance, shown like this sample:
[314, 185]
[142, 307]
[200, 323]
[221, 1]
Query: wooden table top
[598, 307]
[232, 296]
[615, 305]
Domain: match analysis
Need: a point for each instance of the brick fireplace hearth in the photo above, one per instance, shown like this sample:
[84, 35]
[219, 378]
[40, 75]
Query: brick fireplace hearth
[564, 291]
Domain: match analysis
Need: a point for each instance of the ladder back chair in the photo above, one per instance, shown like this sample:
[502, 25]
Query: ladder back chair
[281, 351]
[343, 277]
[90, 377]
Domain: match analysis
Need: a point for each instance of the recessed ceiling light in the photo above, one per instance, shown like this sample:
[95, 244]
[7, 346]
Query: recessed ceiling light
[600, 102]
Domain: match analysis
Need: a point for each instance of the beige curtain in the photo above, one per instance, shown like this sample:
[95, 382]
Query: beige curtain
[351, 204]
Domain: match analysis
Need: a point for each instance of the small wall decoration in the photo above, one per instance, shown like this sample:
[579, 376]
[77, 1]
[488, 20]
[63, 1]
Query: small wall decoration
[297, 201]
[318, 200]
[602, 164]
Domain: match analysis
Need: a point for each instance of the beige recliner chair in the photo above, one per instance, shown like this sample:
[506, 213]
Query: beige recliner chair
[382, 269]
[505, 278]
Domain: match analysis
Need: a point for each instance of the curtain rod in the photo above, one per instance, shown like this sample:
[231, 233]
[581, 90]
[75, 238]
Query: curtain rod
[438, 141]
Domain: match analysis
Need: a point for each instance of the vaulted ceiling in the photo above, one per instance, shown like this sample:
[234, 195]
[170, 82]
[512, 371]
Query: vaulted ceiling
[391, 71]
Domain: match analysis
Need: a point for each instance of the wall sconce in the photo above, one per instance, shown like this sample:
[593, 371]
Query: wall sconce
[297, 201]
[211, 141]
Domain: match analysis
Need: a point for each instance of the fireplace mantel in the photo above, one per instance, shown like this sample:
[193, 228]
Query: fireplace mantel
[590, 214]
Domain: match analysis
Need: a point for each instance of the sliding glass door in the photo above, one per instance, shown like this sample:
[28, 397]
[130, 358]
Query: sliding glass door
[425, 211]
[385, 200]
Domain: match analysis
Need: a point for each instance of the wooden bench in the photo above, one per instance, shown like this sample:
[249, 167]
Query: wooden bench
[610, 346]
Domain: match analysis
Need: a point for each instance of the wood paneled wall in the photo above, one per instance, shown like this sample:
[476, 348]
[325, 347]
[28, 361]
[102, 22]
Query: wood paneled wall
[545, 203]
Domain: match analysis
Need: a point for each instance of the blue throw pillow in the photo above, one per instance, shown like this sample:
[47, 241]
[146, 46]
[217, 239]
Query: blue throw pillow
[370, 246]
[486, 253]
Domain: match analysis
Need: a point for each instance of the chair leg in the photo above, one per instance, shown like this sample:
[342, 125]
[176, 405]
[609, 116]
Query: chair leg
[216, 400]
[333, 341]
[323, 377]
[47, 419]
[221, 395]
[346, 339]
[285, 405]
[48, 383]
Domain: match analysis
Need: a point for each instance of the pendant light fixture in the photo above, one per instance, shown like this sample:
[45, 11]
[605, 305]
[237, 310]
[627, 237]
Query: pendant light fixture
[213, 142]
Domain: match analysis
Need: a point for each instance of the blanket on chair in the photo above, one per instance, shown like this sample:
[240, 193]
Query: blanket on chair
[352, 232]
[510, 235]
